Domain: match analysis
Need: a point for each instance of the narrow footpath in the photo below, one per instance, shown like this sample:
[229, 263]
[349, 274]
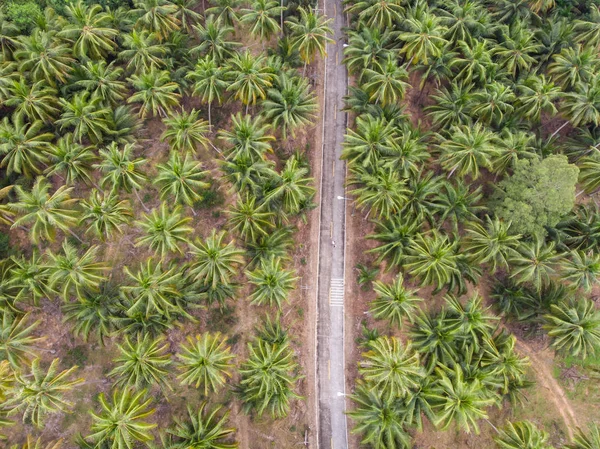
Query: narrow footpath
[331, 378]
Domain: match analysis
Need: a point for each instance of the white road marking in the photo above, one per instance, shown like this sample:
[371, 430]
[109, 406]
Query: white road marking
[336, 292]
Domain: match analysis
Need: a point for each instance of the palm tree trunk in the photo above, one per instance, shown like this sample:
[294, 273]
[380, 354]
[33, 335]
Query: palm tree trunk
[209, 120]
[247, 106]
[304, 69]
[281, 18]
[557, 131]
[140, 200]
[74, 235]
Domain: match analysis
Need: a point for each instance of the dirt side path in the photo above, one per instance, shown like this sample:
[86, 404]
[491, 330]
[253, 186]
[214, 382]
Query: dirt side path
[546, 380]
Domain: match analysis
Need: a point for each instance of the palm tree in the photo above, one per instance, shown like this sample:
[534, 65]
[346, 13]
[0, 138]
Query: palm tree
[466, 150]
[502, 361]
[123, 422]
[395, 237]
[452, 106]
[491, 244]
[105, 213]
[516, 52]
[120, 170]
[378, 14]
[574, 65]
[94, 314]
[494, 103]
[465, 21]
[390, 368]
[44, 57]
[574, 326]
[16, 342]
[143, 52]
[433, 258]
[276, 244]
[268, 381]
[475, 64]
[248, 138]
[186, 14]
[181, 179]
[224, 11]
[291, 188]
[158, 17]
[521, 435]
[71, 160]
[210, 82]
[582, 269]
[536, 95]
[386, 82]
[424, 38]
[251, 77]
[215, 261]
[89, 31]
[103, 81]
[381, 192]
[213, 40]
[379, 418]
[37, 444]
[582, 107]
[42, 392]
[534, 262]
[310, 34]
[290, 104]
[34, 101]
[23, 146]
[586, 441]
[156, 92]
[459, 204]
[367, 48]
[164, 230]
[29, 278]
[272, 283]
[8, 36]
[205, 361]
[75, 273]
[587, 31]
[373, 138]
[588, 173]
[44, 212]
[142, 363]
[510, 147]
[394, 301]
[184, 131]
[123, 125]
[204, 429]
[260, 17]
[458, 400]
[250, 220]
[87, 116]
[153, 290]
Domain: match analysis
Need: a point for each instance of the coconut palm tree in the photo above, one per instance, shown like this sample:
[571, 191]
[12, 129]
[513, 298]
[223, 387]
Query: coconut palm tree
[588, 173]
[582, 107]
[205, 361]
[574, 326]
[215, 261]
[588, 31]
[581, 270]
[105, 213]
[574, 65]
[268, 381]
[23, 146]
[142, 363]
[537, 94]
[250, 220]
[71, 160]
[390, 367]
[94, 313]
[494, 103]
[310, 34]
[35, 101]
[290, 105]
[71, 273]
[122, 422]
[293, 190]
[591, 440]
[89, 31]
[29, 277]
[276, 244]
[452, 106]
[492, 243]
[516, 53]
[164, 230]
[185, 131]
[395, 237]
[213, 40]
[103, 81]
[386, 82]
[535, 262]
[186, 14]
[379, 418]
[459, 204]
[120, 169]
[522, 435]
[158, 17]
[272, 283]
[423, 39]
[87, 116]
[16, 341]
[381, 192]
[510, 147]
[248, 137]
[41, 392]
[465, 21]
[153, 290]
[205, 429]
[44, 212]
[261, 18]
[379, 15]
[225, 11]
[394, 301]
[367, 48]
[142, 52]
[37, 444]
[372, 139]
[155, 90]
[210, 82]
[250, 77]
[44, 57]
[181, 178]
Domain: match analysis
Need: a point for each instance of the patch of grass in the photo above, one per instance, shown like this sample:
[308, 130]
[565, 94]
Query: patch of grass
[76, 356]
[300, 311]
[234, 339]
[4, 245]
[210, 199]
[221, 318]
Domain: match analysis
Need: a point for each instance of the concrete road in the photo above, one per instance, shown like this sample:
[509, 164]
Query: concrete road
[330, 340]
